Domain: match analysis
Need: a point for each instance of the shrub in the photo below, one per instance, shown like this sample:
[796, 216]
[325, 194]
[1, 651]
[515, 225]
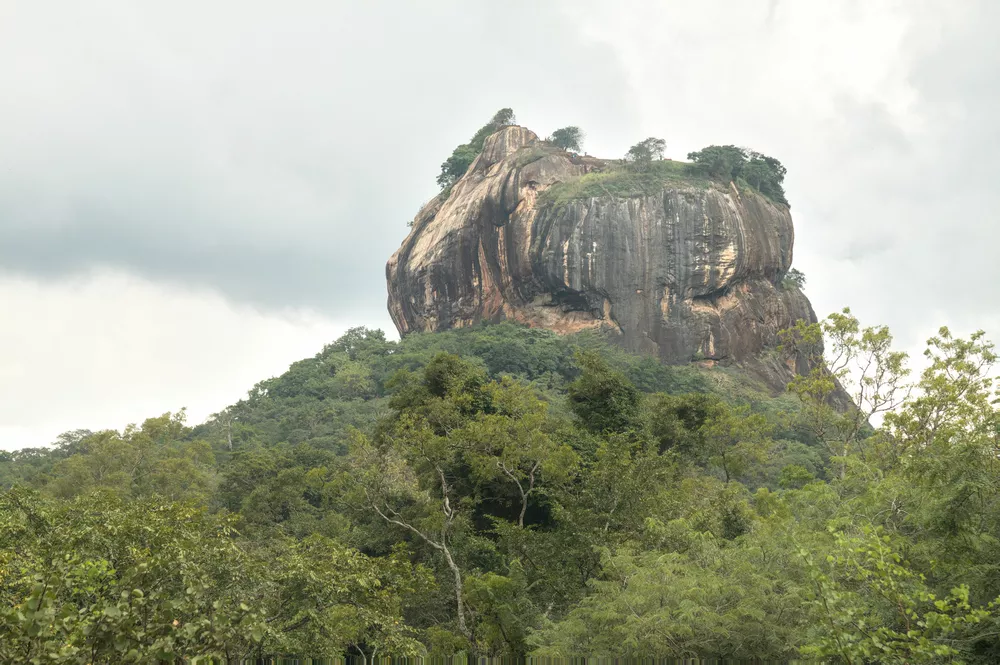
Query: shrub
[794, 278]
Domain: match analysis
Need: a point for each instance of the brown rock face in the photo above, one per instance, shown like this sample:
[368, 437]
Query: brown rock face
[687, 269]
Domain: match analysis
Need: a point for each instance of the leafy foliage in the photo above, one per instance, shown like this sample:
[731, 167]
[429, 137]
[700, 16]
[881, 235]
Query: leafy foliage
[101, 580]
[462, 157]
[733, 164]
[602, 398]
[503, 490]
[567, 138]
[641, 156]
[906, 623]
[794, 278]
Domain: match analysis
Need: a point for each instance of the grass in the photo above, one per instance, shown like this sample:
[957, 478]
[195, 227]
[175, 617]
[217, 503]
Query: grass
[532, 154]
[617, 181]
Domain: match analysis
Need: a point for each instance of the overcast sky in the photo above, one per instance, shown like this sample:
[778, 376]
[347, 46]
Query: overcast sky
[195, 194]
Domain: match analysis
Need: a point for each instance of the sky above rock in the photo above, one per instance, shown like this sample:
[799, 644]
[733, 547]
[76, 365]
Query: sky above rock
[193, 195]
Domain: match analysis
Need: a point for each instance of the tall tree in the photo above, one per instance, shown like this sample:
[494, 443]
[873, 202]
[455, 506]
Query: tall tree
[567, 138]
[603, 398]
[511, 445]
[462, 157]
[640, 156]
[860, 361]
[735, 439]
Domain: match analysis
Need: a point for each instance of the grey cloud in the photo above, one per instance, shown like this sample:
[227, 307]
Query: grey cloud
[863, 248]
[772, 10]
[275, 156]
[937, 195]
[895, 211]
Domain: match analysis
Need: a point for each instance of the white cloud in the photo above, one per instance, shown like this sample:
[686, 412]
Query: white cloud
[112, 349]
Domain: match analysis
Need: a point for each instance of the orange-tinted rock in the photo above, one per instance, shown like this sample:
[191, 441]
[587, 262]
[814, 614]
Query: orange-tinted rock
[690, 271]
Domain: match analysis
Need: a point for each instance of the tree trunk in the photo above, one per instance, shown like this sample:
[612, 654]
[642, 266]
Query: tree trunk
[459, 603]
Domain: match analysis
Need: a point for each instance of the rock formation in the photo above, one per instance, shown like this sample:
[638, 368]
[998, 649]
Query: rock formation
[669, 263]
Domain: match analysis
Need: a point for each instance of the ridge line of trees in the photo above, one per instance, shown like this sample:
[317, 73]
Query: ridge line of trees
[501, 490]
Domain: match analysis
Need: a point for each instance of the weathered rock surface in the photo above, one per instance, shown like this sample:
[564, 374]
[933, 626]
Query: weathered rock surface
[690, 272]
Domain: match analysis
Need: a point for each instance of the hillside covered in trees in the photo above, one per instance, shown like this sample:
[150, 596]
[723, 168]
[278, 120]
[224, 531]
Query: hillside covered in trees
[504, 490]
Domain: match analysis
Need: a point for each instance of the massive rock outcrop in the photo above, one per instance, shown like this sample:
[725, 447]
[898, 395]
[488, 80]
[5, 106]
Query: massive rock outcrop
[670, 264]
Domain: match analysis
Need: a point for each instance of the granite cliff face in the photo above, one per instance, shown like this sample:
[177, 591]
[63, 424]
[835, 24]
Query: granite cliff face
[687, 269]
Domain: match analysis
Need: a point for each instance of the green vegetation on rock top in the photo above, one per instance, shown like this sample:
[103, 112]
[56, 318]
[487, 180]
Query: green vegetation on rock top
[745, 167]
[462, 157]
[619, 181]
[642, 172]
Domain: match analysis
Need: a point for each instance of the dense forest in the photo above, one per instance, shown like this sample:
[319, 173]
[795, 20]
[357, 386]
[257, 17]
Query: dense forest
[502, 490]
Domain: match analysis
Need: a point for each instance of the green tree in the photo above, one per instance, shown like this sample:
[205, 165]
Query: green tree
[155, 458]
[463, 451]
[733, 164]
[100, 580]
[640, 156]
[676, 422]
[603, 398]
[795, 476]
[408, 475]
[688, 594]
[322, 597]
[598, 503]
[503, 607]
[794, 278]
[511, 445]
[735, 439]
[719, 161]
[872, 607]
[567, 138]
[462, 157]
[861, 362]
